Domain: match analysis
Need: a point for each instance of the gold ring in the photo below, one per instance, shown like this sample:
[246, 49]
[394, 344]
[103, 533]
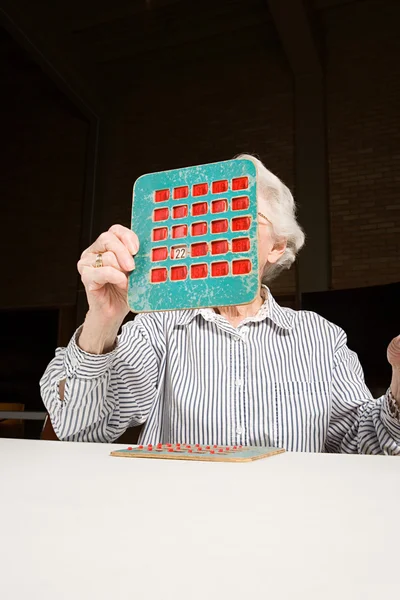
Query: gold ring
[99, 261]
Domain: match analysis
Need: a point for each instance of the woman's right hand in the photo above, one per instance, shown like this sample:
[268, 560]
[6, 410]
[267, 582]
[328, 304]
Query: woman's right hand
[106, 286]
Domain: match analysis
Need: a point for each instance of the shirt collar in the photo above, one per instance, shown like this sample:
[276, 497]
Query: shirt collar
[270, 309]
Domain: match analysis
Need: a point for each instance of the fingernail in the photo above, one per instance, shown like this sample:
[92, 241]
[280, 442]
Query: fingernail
[130, 264]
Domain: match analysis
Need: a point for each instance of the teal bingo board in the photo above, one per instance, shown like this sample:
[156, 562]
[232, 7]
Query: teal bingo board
[197, 229]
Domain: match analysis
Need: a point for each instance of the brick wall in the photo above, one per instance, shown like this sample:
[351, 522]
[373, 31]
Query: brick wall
[363, 102]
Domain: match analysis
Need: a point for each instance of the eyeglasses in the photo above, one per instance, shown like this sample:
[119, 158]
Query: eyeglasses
[264, 217]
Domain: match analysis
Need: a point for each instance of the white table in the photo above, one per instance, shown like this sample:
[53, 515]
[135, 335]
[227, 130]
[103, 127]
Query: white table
[79, 524]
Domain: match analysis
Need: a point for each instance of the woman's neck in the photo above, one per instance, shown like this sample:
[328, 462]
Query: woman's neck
[236, 314]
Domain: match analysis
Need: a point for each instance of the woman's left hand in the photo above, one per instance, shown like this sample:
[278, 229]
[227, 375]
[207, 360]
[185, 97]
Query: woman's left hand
[393, 355]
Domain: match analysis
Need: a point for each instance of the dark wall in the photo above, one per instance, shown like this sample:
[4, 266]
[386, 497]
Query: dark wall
[188, 83]
[204, 101]
[370, 319]
[185, 83]
[363, 102]
[201, 101]
[42, 174]
[27, 343]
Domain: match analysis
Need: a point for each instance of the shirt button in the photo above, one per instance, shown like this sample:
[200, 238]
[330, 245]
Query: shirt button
[239, 430]
[239, 382]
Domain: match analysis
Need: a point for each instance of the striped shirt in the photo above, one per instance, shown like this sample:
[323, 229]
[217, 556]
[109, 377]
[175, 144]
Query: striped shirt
[282, 378]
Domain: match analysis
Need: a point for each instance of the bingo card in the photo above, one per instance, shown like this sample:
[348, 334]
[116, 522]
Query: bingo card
[210, 453]
[197, 228]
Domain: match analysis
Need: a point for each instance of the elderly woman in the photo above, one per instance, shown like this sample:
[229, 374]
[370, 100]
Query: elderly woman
[256, 374]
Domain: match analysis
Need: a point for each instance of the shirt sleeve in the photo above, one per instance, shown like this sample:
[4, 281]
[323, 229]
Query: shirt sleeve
[359, 423]
[104, 394]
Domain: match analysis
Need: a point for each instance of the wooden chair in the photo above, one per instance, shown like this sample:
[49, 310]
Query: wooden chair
[12, 428]
[48, 432]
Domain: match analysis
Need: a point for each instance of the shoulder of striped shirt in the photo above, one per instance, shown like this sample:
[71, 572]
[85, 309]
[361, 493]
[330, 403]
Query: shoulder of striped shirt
[286, 317]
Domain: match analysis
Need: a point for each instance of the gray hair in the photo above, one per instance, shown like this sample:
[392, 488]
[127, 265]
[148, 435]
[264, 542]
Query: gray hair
[275, 200]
